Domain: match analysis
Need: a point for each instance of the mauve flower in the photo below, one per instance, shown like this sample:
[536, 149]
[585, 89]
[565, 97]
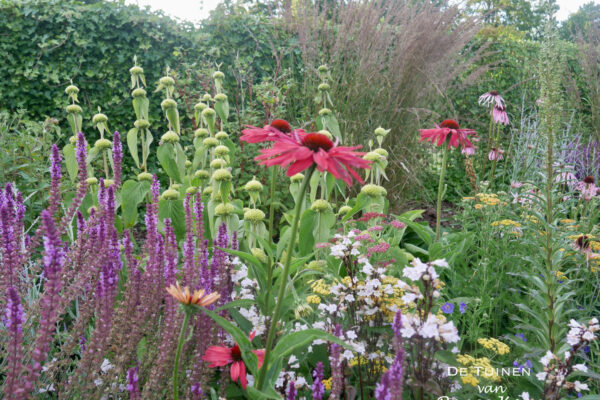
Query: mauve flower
[132, 383]
[117, 158]
[462, 308]
[318, 389]
[491, 97]
[468, 150]
[219, 356]
[496, 154]
[447, 128]
[499, 115]
[13, 319]
[302, 150]
[291, 394]
[587, 188]
[448, 308]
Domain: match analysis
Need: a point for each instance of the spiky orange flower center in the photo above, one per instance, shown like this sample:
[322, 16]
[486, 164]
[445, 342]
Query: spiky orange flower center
[281, 125]
[449, 123]
[316, 141]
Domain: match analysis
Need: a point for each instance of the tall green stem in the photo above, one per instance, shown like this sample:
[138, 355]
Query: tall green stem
[284, 278]
[271, 219]
[184, 328]
[438, 213]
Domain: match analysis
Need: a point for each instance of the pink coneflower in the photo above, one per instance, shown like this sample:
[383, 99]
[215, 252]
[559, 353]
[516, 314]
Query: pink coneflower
[491, 97]
[499, 115]
[302, 150]
[566, 178]
[219, 356]
[587, 187]
[496, 154]
[450, 127]
[268, 133]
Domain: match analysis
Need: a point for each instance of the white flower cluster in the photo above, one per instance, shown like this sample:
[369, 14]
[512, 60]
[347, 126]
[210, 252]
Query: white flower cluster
[345, 246]
[432, 328]
[556, 370]
[425, 271]
[247, 290]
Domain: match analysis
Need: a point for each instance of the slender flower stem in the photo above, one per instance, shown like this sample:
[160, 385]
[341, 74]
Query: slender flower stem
[284, 277]
[271, 219]
[184, 328]
[438, 216]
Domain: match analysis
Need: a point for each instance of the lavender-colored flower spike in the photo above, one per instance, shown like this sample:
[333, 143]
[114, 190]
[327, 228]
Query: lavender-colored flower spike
[53, 263]
[196, 391]
[291, 393]
[55, 175]
[81, 155]
[170, 253]
[318, 389]
[14, 318]
[132, 383]
[189, 274]
[390, 387]
[117, 158]
[335, 359]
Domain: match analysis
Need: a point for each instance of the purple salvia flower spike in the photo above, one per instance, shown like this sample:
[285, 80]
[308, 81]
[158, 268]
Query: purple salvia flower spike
[14, 317]
[117, 158]
[318, 389]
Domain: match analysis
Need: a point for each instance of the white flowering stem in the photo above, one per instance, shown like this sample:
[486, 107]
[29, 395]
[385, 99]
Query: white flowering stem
[182, 333]
[284, 278]
[438, 216]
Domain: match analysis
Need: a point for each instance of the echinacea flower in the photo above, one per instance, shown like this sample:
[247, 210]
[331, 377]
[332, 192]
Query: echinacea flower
[268, 133]
[447, 128]
[499, 115]
[587, 187]
[199, 298]
[496, 154]
[219, 356]
[491, 97]
[302, 150]
[468, 150]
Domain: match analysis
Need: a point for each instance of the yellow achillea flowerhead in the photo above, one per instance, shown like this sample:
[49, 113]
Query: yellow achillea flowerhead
[495, 345]
[313, 299]
[198, 298]
[468, 198]
[478, 206]
[506, 222]
[489, 199]
[480, 367]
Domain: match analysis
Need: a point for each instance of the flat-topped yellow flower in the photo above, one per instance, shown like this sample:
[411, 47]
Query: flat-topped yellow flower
[199, 298]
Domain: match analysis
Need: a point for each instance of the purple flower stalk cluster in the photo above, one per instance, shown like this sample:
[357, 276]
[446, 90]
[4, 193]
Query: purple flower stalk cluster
[390, 387]
[318, 389]
[14, 318]
[132, 383]
[12, 215]
[336, 362]
[117, 151]
[583, 156]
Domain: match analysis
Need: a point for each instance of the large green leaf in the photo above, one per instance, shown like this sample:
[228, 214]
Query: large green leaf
[166, 156]
[132, 194]
[132, 144]
[306, 241]
[222, 108]
[71, 161]
[173, 209]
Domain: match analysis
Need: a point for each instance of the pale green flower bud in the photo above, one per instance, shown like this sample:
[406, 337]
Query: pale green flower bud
[218, 75]
[297, 178]
[220, 97]
[167, 81]
[201, 133]
[254, 215]
[73, 140]
[108, 182]
[221, 150]
[170, 137]
[139, 92]
[175, 186]
[323, 87]
[222, 135]
[208, 113]
[218, 163]
[323, 69]
[210, 142]
[320, 206]
[206, 98]
[141, 124]
[145, 176]
[202, 174]
[188, 163]
[191, 190]
[325, 112]
[382, 152]
[91, 180]
[208, 190]
[372, 190]
[372, 156]
[71, 89]
[302, 310]
[99, 118]
[135, 70]
[381, 132]
[221, 175]
[103, 144]
[326, 133]
[224, 209]
[317, 264]
[170, 194]
[344, 210]
[200, 106]
[168, 104]
[253, 186]
[73, 109]
[260, 254]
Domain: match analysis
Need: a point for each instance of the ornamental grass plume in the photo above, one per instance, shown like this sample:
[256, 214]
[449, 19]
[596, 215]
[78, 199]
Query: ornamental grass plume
[220, 356]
